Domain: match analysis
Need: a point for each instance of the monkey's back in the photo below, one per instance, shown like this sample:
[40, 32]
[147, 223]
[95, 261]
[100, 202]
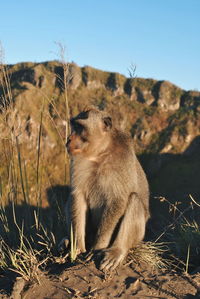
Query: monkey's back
[120, 173]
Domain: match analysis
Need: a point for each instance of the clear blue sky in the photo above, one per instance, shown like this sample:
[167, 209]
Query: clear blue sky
[161, 37]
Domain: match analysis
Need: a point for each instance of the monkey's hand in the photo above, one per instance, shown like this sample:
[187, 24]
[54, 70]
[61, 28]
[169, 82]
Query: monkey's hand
[112, 258]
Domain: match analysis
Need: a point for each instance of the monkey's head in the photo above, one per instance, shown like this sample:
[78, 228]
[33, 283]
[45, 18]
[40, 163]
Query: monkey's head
[90, 129]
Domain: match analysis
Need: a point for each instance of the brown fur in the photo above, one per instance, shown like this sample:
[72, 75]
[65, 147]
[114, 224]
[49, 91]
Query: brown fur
[109, 203]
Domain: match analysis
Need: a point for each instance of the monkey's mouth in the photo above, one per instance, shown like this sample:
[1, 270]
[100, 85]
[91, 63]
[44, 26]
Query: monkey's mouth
[71, 148]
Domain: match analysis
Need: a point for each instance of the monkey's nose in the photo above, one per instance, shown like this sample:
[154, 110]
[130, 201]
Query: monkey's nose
[72, 121]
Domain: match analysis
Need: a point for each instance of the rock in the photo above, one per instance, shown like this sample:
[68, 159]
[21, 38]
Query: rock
[169, 96]
[115, 83]
[139, 90]
[23, 75]
[191, 100]
[73, 76]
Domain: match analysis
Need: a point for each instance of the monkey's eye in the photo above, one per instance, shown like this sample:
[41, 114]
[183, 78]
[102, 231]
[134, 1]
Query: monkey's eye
[84, 135]
[84, 139]
[77, 128]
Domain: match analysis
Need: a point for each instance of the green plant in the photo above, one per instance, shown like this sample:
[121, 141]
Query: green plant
[73, 247]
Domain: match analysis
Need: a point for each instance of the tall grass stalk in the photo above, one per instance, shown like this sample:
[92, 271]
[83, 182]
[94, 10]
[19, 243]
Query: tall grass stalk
[20, 168]
[5, 80]
[38, 174]
[65, 83]
[26, 184]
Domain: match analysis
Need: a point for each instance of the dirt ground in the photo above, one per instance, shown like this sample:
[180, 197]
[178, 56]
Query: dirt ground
[86, 281]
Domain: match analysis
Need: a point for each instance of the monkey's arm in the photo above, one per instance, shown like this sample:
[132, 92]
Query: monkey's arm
[78, 213]
[110, 219]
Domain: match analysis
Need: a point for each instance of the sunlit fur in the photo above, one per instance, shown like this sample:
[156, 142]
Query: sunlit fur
[109, 203]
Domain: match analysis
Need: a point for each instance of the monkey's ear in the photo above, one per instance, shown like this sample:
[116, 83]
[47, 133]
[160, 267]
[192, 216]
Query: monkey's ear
[107, 123]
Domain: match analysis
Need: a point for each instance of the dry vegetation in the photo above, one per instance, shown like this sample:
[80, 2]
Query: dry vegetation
[29, 231]
[33, 187]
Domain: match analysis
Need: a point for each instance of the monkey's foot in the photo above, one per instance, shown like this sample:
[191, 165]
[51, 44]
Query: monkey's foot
[112, 258]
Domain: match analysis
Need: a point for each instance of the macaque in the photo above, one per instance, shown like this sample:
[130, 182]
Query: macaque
[109, 202]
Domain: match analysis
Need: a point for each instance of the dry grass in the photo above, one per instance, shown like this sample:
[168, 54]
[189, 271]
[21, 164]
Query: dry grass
[183, 232]
[150, 253]
[24, 250]
[28, 233]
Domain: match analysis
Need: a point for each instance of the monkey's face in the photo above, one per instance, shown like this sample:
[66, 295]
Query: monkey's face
[89, 128]
[77, 141]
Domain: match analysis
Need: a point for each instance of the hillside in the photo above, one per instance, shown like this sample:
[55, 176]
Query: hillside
[162, 119]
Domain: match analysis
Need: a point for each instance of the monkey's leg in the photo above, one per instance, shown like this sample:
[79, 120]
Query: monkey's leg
[78, 214]
[131, 232]
[110, 218]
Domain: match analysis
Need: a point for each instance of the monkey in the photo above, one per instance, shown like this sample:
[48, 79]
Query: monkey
[109, 202]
